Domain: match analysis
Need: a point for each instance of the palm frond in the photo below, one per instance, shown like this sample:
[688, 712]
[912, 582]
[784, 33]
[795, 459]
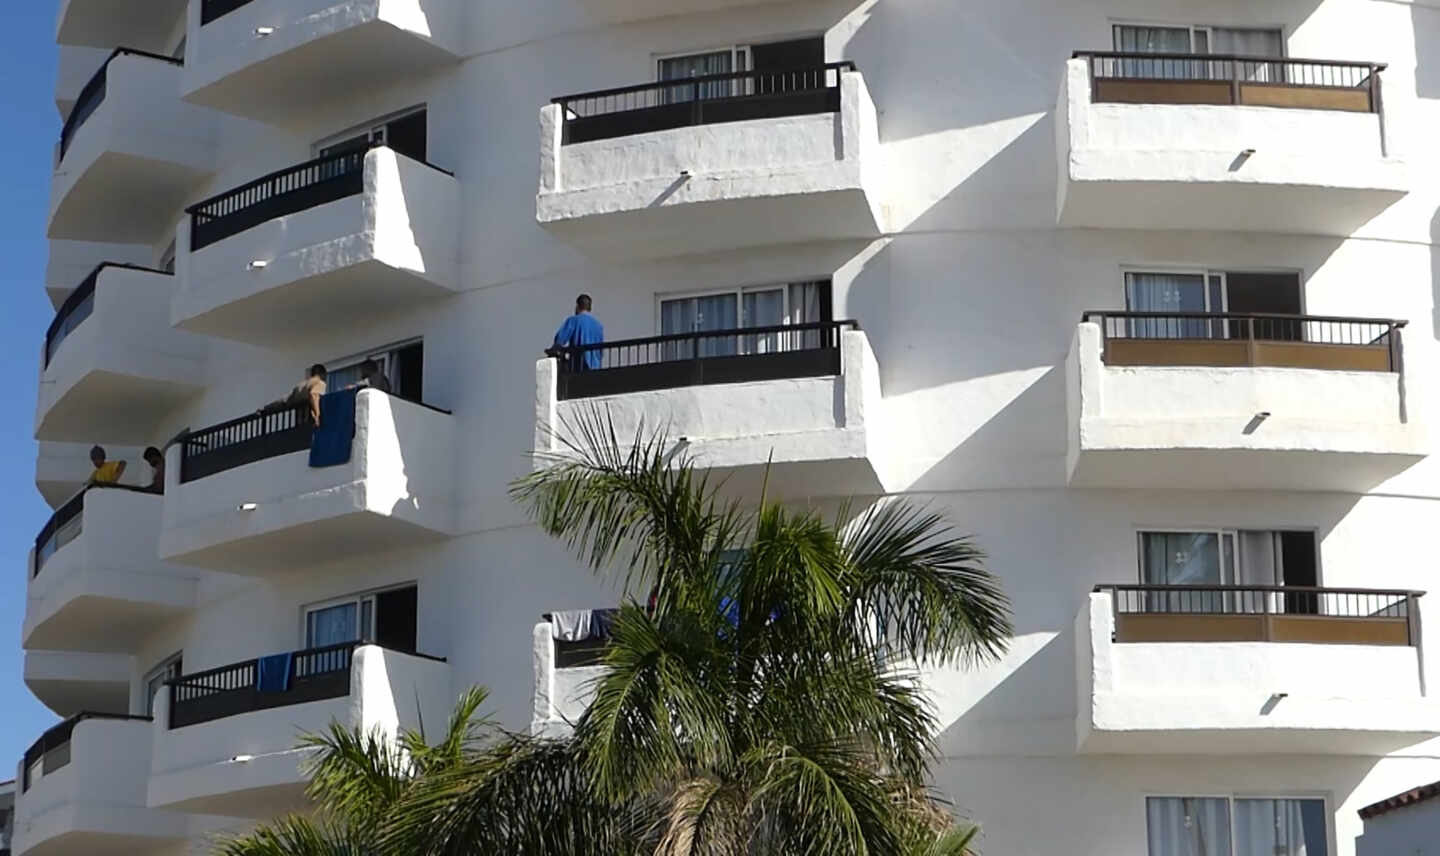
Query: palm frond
[295, 836]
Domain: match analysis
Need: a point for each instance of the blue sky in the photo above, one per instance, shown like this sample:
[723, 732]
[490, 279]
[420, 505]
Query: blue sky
[28, 105]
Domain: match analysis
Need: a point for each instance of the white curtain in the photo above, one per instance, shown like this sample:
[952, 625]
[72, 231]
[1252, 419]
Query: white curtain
[1153, 40]
[1187, 559]
[700, 314]
[1165, 292]
[697, 65]
[331, 626]
[1265, 827]
[1260, 43]
[764, 309]
[1183, 826]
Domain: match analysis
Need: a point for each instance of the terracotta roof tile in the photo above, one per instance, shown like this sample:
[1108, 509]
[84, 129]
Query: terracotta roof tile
[1410, 797]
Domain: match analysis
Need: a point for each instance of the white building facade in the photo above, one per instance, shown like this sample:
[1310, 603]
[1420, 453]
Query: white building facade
[1142, 293]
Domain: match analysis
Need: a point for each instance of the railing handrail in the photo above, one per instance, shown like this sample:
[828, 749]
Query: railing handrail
[1182, 587]
[716, 334]
[1377, 66]
[229, 423]
[183, 680]
[58, 735]
[85, 289]
[843, 65]
[77, 117]
[1088, 314]
[196, 209]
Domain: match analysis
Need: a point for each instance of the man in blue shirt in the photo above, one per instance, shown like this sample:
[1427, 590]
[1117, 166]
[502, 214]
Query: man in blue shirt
[582, 328]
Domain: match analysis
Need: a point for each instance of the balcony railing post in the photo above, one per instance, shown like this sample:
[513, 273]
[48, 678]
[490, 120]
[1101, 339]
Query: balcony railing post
[696, 115]
[1235, 82]
[1374, 90]
[1412, 619]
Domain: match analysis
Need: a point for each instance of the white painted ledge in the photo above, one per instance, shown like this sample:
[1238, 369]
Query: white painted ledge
[1195, 428]
[397, 490]
[814, 432]
[248, 61]
[68, 682]
[1179, 166]
[328, 267]
[117, 375]
[750, 183]
[103, 24]
[1216, 698]
[195, 768]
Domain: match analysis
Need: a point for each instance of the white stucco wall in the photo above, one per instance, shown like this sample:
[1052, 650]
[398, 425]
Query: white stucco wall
[1179, 166]
[124, 364]
[1135, 426]
[1408, 831]
[389, 246]
[247, 765]
[701, 188]
[397, 488]
[561, 695]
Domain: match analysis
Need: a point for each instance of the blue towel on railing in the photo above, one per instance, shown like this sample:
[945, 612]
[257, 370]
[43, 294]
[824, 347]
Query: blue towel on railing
[272, 673]
[330, 445]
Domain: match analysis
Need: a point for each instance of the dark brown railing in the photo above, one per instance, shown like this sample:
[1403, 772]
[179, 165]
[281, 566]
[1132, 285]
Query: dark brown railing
[704, 100]
[316, 674]
[211, 10]
[1250, 339]
[1195, 613]
[702, 358]
[1266, 81]
[244, 441]
[78, 306]
[93, 95]
[53, 747]
[291, 190]
[59, 531]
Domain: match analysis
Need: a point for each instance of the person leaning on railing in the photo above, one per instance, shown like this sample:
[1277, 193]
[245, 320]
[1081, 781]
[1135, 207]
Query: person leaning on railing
[105, 472]
[305, 396]
[579, 330]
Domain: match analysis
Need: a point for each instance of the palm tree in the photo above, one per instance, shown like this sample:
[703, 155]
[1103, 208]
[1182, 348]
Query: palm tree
[765, 698]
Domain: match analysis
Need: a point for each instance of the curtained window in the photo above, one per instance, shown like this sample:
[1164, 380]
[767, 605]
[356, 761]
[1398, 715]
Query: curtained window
[1240, 826]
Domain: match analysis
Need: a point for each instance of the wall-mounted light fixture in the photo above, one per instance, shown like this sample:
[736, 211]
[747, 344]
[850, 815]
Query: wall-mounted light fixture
[262, 32]
[258, 264]
[247, 506]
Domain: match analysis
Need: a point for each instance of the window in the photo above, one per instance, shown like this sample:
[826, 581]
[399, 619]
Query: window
[1181, 292]
[1236, 826]
[1184, 39]
[403, 365]
[169, 669]
[790, 55]
[405, 132]
[1229, 557]
[386, 618]
[742, 308]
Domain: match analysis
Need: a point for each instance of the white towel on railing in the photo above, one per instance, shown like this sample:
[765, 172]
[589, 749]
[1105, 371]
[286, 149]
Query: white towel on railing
[571, 625]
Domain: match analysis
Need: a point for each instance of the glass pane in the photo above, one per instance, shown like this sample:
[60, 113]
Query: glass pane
[1138, 39]
[367, 619]
[332, 625]
[764, 309]
[1265, 827]
[700, 314]
[1184, 558]
[1153, 40]
[697, 65]
[1186, 826]
[1167, 293]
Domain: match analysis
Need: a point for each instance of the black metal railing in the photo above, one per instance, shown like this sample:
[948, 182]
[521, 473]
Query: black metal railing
[78, 307]
[52, 750]
[93, 95]
[701, 358]
[244, 441]
[211, 10]
[704, 100]
[315, 675]
[288, 191]
[1342, 605]
[590, 651]
[1319, 341]
[1140, 77]
[65, 524]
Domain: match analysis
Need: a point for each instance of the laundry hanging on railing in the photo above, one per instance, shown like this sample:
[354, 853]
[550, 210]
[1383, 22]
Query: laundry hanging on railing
[331, 443]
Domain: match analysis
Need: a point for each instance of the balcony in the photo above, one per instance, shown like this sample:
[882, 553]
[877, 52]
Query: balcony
[1233, 402]
[113, 368]
[794, 398]
[61, 469]
[318, 247]
[244, 56]
[68, 682]
[74, 69]
[565, 671]
[711, 163]
[130, 153]
[82, 790]
[1180, 670]
[105, 23]
[241, 495]
[95, 582]
[1210, 141]
[225, 738]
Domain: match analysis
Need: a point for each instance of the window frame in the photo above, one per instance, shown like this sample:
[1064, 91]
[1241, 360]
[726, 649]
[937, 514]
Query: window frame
[1207, 29]
[739, 291]
[1230, 799]
[736, 50]
[1210, 271]
[160, 668]
[369, 129]
[384, 355]
[1234, 532]
[359, 599]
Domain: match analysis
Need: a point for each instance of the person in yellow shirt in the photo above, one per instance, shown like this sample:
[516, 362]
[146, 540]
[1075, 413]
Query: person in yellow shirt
[106, 472]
